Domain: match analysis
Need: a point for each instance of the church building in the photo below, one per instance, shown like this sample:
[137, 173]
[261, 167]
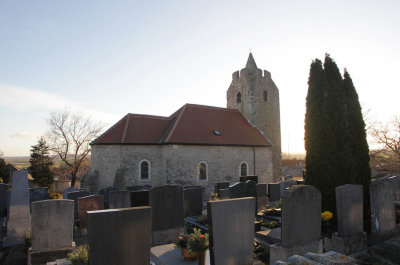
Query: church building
[196, 145]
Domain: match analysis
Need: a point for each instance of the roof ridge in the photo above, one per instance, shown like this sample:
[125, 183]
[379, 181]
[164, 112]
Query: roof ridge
[112, 127]
[182, 110]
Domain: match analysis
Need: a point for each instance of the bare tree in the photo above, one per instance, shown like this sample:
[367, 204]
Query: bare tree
[386, 157]
[69, 137]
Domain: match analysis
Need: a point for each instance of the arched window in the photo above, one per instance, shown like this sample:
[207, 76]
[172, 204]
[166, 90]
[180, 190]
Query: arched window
[239, 97]
[244, 169]
[144, 170]
[202, 171]
[265, 96]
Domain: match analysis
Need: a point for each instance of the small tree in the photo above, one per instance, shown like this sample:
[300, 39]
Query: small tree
[69, 137]
[3, 171]
[41, 163]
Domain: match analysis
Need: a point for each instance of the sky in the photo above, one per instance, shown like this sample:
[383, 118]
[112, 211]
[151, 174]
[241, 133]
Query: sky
[109, 58]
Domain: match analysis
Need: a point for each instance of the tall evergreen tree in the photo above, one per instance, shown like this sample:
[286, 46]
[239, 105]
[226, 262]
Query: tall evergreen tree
[3, 171]
[41, 163]
[358, 140]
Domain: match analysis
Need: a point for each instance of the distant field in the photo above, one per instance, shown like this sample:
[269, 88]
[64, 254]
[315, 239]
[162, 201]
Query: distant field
[21, 162]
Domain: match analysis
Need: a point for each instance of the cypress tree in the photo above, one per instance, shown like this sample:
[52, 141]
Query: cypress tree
[40, 164]
[358, 140]
[3, 171]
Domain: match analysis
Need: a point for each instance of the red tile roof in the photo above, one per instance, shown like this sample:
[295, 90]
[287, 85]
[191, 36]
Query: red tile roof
[191, 124]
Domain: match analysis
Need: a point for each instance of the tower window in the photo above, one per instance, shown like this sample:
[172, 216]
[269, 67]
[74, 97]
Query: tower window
[144, 170]
[239, 97]
[243, 169]
[265, 96]
[202, 171]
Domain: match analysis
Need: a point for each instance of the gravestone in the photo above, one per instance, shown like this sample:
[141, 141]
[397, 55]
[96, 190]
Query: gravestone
[231, 230]
[52, 230]
[88, 203]
[240, 189]
[224, 194]
[68, 190]
[140, 198]
[120, 199]
[193, 201]
[274, 192]
[261, 191]
[383, 216]
[106, 193]
[168, 213]
[349, 205]
[19, 221]
[350, 237]
[246, 178]
[38, 194]
[3, 199]
[221, 185]
[396, 186]
[301, 223]
[120, 236]
[286, 184]
[75, 195]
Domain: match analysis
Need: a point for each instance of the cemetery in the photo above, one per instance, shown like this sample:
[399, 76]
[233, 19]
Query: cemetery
[241, 223]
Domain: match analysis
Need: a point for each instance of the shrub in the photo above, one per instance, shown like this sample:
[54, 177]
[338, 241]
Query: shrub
[182, 241]
[80, 256]
[197, 243]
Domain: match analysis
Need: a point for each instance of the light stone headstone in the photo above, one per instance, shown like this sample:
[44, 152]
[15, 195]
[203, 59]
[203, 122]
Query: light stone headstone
[349, 205]
[52, 224]
[231, 230]
[19, 221]
[75, 195]
[89, 203]
[120, 199]
[383, 216]
[120, 236]
[193, 201]
[301, 215]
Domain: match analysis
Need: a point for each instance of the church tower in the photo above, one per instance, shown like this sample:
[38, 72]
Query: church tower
[256, 96]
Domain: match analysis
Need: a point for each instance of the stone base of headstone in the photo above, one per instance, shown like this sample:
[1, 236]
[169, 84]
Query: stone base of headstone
[346, 245]
[166, 236]
[379, 238]
[278, 252]
[39, 257]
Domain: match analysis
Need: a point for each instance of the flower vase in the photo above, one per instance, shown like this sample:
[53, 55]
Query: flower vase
[187, 255]
[201, 258]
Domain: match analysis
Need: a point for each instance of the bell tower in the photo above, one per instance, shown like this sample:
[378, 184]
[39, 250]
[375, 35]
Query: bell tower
[256, 96]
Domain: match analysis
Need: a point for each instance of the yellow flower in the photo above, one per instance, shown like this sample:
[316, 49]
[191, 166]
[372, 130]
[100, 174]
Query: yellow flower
[326, 216]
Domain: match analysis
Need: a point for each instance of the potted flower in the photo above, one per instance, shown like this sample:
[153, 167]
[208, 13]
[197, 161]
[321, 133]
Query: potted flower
[182, 244]
[198, 243]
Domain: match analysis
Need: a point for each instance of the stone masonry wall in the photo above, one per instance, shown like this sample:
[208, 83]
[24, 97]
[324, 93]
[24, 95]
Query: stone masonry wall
[118, 165]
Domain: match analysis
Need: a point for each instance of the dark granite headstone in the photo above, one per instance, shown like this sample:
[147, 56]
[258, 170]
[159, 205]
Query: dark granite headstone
[246, 178]
[120, 236]
[274, 191]
[240, 189]
[120, 199]
[138, 187]
[301, 216]
[140, 198]
[89, 203]
[75, 196]
[68, 190]
[231, 230]
[193, 201]
[167, 204]
[3, 199]
[38, 194]
[224, 194]
[221, 185]
[106, 193]
[261, 191]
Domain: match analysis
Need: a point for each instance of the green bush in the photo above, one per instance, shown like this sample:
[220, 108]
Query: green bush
[80, 256]
[197, 243]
